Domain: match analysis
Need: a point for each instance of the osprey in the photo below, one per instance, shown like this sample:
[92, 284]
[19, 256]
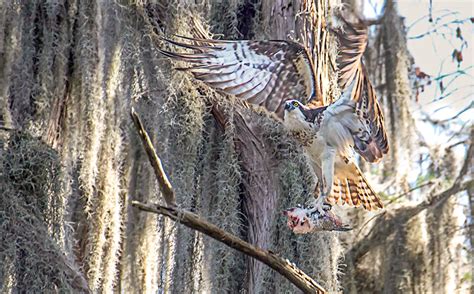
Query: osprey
[275, 75]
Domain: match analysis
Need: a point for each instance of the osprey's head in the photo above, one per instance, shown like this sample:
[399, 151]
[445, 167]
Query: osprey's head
[291, 105]
[294, 115]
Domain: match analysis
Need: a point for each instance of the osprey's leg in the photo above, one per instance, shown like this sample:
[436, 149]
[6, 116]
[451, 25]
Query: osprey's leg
[327, 167]
[317, 183]
[325, 175]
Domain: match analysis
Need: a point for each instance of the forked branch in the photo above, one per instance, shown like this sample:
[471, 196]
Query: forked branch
[296, 276]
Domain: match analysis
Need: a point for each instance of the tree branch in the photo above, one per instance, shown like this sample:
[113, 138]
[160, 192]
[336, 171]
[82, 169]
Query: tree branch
[389, 222]
[393, 220]
[3, 128]
[456, 72]
[193, 221]
[428, 183]
[165, 185]
[436, 29]
[296, 276]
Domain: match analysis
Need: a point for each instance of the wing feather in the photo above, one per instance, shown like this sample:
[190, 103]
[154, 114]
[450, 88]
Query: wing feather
[266, 73]
[354, 78]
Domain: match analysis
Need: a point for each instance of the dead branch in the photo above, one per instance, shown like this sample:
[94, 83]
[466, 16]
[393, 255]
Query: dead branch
[155, 161]
[193, 221]
[296, 276]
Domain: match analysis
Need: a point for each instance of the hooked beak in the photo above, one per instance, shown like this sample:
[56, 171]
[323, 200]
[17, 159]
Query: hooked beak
[289, 106]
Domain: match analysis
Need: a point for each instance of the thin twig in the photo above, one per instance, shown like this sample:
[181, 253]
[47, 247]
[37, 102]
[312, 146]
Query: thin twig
[457, 133]
[469, 107]
[368, 221]
[296, 276]
[449, 13]
[428, 183]
[456, 144]
[3, 128]
[436, 29]
[463, 71]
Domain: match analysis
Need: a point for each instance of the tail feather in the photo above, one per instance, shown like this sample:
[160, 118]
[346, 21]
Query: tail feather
[347, 191]
[355, 197]
[352, 188]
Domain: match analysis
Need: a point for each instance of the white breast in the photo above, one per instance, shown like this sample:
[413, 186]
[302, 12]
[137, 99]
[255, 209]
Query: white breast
[334, 128]
[316, 149]
[295, 121]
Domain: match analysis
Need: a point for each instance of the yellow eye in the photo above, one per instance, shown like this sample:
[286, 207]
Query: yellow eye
[295, 103]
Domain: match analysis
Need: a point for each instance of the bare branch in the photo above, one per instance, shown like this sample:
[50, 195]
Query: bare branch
[164, 183]
[193, 221]
[442, 122]
[456, 144]
[448, 94]
[470, 106]
[448, 13]
[296, 276]
[457, 72]
[368, 221]
[436, 29]
[428, 183]
[3, 128]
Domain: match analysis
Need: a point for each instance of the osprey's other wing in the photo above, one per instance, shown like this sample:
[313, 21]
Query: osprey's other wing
[261, 72]
[353, 77]
[352, 38]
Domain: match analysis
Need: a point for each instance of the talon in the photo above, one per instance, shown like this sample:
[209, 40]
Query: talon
[327, 207]
[320, 206]
[321, 211]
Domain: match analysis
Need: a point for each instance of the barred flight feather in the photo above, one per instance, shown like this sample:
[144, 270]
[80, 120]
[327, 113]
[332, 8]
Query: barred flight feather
[352, 45]
[266, 73]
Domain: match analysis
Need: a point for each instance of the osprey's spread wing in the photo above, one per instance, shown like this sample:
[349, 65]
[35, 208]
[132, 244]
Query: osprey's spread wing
[353, 77]
[352, 44]
[262, 72]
